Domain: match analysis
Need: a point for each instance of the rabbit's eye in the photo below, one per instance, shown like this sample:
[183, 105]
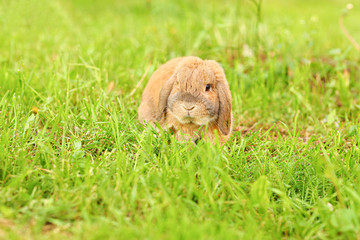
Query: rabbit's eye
[207, 88]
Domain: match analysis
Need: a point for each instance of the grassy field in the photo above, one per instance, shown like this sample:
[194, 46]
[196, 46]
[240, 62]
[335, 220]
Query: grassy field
[76, 164]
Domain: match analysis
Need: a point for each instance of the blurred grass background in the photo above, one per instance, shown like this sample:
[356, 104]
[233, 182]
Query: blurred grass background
[43, 43]
[76, 163]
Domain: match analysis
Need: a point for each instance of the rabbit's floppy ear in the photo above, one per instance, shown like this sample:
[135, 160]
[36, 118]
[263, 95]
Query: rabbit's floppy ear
[224, 95]
[164, 95]
[224, 120]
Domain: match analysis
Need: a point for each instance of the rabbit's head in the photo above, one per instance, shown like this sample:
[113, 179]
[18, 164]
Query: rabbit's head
[197, 93]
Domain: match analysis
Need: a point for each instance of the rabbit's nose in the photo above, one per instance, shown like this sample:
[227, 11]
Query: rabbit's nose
[188, 107]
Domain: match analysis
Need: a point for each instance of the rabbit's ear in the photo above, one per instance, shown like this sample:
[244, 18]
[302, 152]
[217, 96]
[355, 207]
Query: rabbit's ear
[224, 95]
[224, 120]
[164, 95]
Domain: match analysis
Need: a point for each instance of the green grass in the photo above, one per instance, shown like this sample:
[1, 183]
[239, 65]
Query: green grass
[84, 168]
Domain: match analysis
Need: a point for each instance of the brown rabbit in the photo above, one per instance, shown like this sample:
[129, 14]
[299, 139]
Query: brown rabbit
[191, 97]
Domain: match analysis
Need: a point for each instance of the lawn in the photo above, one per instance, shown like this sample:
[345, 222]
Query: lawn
[75, 163]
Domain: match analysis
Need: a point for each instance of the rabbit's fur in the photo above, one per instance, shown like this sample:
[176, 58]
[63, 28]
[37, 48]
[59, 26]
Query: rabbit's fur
[190, 96]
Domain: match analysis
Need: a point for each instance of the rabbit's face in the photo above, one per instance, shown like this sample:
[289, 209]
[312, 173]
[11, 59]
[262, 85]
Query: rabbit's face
[197, 93]
[194, 98]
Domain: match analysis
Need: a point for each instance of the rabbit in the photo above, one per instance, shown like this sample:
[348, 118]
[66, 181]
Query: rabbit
[191, 97]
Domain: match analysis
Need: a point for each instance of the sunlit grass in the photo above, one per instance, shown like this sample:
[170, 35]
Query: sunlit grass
[75, 162]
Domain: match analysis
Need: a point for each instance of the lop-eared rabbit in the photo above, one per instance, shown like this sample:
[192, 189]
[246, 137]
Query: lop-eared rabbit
[191, 97]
